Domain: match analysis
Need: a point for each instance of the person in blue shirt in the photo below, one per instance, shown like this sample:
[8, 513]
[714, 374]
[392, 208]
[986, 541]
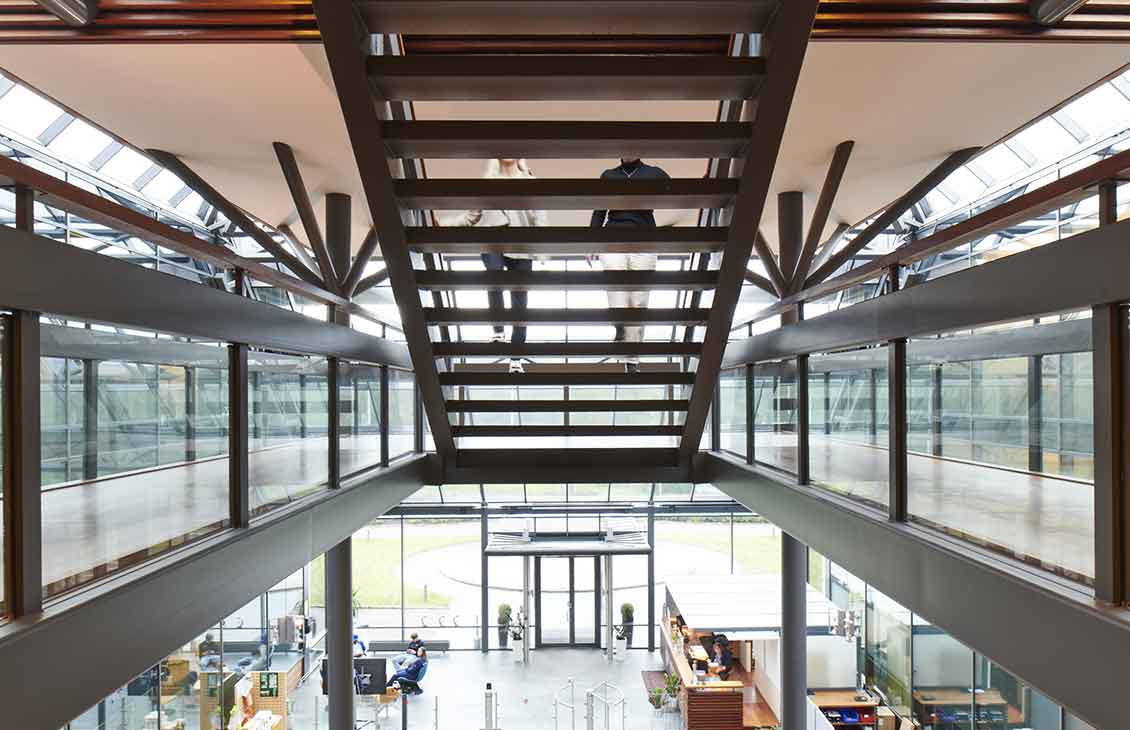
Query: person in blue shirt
[412, 671]
[722, 663]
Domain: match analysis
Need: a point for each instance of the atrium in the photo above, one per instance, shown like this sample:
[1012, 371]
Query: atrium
[624, 365]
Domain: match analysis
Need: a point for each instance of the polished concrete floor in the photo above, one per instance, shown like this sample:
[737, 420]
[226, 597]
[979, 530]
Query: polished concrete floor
[456, 681]
[93, 528]
[1041, 519]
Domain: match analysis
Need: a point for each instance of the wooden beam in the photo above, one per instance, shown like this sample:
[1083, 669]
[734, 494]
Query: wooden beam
[298, 247]
[932, 179]
[769, 261]
[565, 194]
[505, 77]
[60, 194]
[820, 214]
[790, 232]
[536, 139]
[234, 214]
[301, 197]
[787, 42]
[75, 13]
[1051, 12]
[343, 42]
[760, 282]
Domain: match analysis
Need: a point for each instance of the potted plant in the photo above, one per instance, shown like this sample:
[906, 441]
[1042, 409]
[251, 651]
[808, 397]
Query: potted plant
[503, 624]
[673, 685]
[620, 645]
[655, 697]
[628, 619]
[518, 636]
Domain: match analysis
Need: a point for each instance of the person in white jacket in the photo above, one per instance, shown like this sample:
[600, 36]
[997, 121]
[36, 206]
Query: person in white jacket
[506, 168]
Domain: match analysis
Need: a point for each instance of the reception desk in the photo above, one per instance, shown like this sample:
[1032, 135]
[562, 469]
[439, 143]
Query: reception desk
[706, 704]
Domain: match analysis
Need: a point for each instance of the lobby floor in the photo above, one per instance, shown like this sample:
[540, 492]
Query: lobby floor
[526, 693]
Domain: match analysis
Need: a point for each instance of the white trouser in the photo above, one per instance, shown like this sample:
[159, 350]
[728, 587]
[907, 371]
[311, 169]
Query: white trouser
[637, 298]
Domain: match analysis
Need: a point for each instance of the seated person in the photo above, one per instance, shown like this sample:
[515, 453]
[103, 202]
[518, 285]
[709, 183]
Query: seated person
[408, 677]
[722, 661]
[209, 651]
[399, 661]
[358, 647]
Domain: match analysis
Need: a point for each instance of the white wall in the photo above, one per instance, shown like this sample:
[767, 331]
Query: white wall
[767, 672]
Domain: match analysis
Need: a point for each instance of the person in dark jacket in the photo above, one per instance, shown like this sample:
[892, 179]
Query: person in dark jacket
[413, 671]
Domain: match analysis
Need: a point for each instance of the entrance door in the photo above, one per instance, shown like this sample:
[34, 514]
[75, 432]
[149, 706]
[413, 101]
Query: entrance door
[566, 606]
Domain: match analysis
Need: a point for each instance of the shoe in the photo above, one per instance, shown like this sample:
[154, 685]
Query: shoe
[516, 366]
[632, 368]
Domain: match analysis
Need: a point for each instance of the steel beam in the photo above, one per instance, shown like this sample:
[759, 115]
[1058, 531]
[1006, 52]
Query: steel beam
[503, 77]
[794, 632]
[65, 196]
[787, 41]
[803, 465]
[188, 589]
[339, 631]
[333, 422]
[90, 418]
[574, 240]
[25, 208]
[234, 214]
[1057, 277]
[96, 288]
[571, 280]
[353, 283]
[1035, 413]
[301, 197]
[651, 579]
[565, 194]
[897, 427]
[484, 597]
[239, 480]
[341, 38]
[190, 414]
[384, 416]
[535, 139]
[790, 232]
[920, 569]
[23, 507]
[1051, 12]
[564, 17]
[820, 214]
[891, 214]
[75, 13]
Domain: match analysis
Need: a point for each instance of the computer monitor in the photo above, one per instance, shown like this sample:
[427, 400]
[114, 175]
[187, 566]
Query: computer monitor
[369, 677]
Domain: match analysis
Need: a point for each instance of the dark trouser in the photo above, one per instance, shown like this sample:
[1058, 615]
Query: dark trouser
[518, 299]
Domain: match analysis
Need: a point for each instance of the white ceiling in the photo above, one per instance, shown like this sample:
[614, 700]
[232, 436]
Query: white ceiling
[907, 105]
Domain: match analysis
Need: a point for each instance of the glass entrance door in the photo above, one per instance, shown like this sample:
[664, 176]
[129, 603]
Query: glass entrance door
[565, 603]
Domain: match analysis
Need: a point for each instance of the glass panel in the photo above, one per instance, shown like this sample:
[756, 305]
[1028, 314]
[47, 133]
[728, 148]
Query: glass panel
[847, 424]
[361, 409]
[943, 674]
[504, 597]
[733, 410]
[1002, 447]
[1004, 702]
[377, 579]
[774, 392]
[887, 651]
[289, 440]
[131, 448]
[556, 608]
[817, 570]
[190, 680]
[584, 605]
[1070, 722]
[442, 573]
[401, 412]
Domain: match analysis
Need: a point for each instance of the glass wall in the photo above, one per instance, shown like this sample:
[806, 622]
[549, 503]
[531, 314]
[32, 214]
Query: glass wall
[401, 412]
[732, 411]
[1017, 437]
[847, 423]
[109, 428]
[360, 387]
[775, 434]
[289, 440]
[887, 650]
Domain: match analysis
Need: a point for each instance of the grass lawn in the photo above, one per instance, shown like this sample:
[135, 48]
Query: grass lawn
[754, 552]
[376, 575]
